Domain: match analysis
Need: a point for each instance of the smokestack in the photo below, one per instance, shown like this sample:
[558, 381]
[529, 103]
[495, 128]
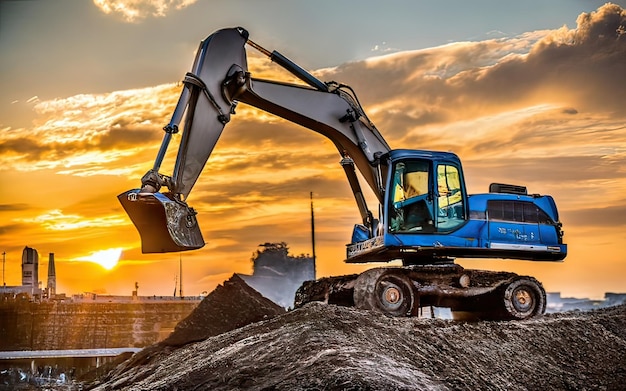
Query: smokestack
[52, 277]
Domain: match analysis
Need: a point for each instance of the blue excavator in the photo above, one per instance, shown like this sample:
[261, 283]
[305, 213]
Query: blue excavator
[425, 218]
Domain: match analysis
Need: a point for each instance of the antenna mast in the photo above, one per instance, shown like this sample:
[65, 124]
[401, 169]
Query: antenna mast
[313, 236]
[180, 289]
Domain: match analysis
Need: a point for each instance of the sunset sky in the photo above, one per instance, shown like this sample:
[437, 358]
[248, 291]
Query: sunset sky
[530, 93]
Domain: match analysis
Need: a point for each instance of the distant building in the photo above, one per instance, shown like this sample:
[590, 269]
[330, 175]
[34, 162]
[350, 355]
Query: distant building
[30, 268]
[556, 303]
[612, 299]
[278, 275]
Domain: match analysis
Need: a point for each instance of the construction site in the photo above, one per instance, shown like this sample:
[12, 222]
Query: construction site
[238, 340]
[247, 335]
[415, 319]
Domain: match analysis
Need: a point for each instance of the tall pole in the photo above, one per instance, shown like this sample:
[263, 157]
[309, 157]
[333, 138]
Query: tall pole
[313, 236]
[180, 289]
[4, 255]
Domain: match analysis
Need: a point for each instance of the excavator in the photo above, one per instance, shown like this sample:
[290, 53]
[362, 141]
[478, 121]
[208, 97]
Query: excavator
[425, 218]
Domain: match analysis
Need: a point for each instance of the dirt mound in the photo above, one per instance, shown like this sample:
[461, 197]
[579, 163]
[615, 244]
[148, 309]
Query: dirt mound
[326, 347]
[229, 306]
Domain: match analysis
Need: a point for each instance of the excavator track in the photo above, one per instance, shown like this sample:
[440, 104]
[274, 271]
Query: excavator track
[402, 291]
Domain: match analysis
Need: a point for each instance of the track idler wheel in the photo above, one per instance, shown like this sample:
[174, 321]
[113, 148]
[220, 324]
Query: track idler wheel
[386, 291]
[524, 298]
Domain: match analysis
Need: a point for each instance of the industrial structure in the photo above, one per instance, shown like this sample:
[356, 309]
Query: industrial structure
[30, 269]
[277, 275]
[51, 287]
[31, 285]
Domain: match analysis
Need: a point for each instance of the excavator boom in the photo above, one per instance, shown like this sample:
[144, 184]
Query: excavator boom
[217, 82]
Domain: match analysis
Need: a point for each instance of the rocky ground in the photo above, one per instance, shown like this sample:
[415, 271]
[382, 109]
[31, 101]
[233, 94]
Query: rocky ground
[326, 347]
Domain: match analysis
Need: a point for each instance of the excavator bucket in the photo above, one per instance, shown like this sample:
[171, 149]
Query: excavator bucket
[164, 224]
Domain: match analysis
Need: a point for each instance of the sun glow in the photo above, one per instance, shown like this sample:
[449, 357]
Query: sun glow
[106, 258]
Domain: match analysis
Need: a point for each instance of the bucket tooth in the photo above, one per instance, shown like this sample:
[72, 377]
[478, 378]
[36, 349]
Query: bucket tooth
[164, 224]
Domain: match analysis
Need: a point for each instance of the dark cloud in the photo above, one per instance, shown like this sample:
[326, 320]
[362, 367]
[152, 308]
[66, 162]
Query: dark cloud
[13, 207]
[35, 149]
[407, 117]
[336, 189]
[120, 137]
[11, 229]
[68, 128]
[250, 133]
[609, 217]
[572, 68]
[558, 169]
[274, 160]
[587, 62]
[23, 146]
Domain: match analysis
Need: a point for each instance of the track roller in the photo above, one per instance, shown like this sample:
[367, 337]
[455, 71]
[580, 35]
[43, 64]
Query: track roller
[524, 298]
[387, 291]
[518, 299]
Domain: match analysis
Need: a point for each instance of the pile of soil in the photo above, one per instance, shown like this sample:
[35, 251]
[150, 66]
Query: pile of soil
[327, 347]
[230, 306]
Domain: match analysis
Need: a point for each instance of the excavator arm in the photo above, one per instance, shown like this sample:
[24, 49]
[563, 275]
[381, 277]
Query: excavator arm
[218, 81]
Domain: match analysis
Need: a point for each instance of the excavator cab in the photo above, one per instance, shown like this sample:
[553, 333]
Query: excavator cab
[430, 218]
[427, 195]
[426, 198]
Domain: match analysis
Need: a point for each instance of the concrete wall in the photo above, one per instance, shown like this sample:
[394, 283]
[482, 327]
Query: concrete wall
[66, 325]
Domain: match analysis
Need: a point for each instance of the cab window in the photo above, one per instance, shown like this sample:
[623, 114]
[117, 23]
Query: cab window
[450, 208]
[518, 211]
[410, 202]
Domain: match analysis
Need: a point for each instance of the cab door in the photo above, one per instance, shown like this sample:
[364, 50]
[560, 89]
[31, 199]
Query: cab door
[411, 206]
[450, 198]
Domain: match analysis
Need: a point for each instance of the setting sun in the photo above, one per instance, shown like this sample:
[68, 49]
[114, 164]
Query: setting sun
[106, 258]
